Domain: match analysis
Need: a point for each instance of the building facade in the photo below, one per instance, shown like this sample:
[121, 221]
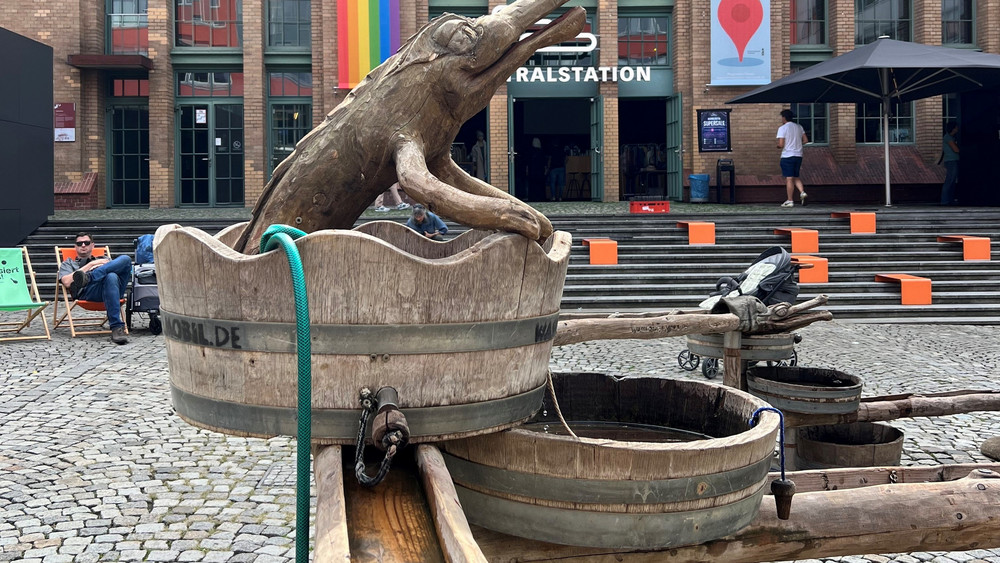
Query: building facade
[193, 102]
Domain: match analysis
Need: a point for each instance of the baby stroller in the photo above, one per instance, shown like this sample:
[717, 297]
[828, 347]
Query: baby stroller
[770, 278]
[143, 297]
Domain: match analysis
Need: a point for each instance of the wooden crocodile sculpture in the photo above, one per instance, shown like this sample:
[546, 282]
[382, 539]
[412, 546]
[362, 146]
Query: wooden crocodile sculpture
[398, 125]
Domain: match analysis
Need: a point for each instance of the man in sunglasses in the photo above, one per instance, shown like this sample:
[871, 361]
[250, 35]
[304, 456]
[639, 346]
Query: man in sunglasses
[98, 279]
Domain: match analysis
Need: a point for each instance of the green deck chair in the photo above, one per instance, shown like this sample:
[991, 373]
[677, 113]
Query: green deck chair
[17, 278]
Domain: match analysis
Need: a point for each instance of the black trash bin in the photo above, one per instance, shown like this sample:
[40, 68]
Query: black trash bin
[725, 165]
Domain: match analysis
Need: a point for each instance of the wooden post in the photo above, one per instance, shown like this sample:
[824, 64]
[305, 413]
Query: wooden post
[332, 543]
[732, 365]
[452, 528]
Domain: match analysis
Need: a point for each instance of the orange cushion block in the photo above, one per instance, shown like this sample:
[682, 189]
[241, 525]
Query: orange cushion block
[861, 222]
[603, 251]
[813, 269]
[803, 240]
[699, 232]
[915, 290]
[973, 248]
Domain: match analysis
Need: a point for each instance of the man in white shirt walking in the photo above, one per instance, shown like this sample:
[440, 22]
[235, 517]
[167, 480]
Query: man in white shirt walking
[791, 137]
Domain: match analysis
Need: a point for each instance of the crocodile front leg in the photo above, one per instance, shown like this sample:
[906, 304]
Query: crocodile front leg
[473, 210]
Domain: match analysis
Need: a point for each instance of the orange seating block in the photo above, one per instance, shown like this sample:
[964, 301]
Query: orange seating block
[699, 232]
[603, 251]
[812, 269]
[973, 248]
[803, 240]
[915, 290]
[861, 223]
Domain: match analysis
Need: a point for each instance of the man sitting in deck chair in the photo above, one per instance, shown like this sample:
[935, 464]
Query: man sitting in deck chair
[98, 279]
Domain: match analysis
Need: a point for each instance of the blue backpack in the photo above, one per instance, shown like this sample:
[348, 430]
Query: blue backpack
[144, 249]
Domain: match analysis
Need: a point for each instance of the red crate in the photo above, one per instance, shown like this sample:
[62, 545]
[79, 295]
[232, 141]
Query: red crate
[649, 207]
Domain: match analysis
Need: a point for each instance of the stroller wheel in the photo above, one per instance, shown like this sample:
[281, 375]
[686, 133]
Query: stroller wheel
[710, 368]
[687, 360]
[155, 326]
[787, 362]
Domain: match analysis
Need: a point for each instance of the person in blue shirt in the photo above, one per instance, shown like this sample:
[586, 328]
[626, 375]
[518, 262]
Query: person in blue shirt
[426, 223]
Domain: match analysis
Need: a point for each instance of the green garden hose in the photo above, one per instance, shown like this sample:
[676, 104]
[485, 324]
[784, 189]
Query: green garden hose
[283, 236]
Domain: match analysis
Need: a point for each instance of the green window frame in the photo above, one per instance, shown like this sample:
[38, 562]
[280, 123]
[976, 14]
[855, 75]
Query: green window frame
[875, 18]
[289, 25]
[644, 39]
[208, 23]
[868, 123]
[289, 113]
[958, 22]
[808, 19]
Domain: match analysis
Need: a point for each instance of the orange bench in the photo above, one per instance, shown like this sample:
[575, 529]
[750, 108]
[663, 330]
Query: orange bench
[915, 290]
[699, 232]
[861, 223]
[973, 248]
[812, 269]
[803, 240]
[603, 251]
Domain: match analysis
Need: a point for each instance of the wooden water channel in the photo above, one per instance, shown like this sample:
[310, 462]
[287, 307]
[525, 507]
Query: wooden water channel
[468, 371]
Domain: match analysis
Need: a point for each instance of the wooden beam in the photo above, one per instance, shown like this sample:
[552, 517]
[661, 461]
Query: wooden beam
[453, 530]
[951, 516]
[855, 477]
[904, 406]
[331, 516]
[583, 330]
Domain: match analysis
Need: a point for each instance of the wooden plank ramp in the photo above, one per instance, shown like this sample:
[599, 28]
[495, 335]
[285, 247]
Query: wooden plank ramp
[389, 523]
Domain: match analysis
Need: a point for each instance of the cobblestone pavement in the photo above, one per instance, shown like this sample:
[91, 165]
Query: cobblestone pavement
[94, 466]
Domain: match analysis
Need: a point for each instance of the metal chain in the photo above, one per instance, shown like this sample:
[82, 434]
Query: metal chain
[395, 437]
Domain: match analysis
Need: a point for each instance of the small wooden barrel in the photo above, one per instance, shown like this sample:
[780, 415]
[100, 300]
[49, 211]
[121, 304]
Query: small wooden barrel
[859, 444]
[461, 329]
[805, 390]
[753, 347]
[609, 493]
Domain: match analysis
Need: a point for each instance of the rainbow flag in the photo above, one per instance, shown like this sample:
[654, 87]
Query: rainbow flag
[367, 35]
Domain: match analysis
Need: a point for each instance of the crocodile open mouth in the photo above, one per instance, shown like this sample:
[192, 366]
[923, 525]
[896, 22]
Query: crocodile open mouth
[563, 28]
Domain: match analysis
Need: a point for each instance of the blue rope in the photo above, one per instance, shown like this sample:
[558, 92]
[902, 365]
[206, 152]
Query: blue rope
[282, 236]
[781, 428]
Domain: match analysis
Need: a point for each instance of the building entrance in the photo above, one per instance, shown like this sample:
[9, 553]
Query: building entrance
[210, 155]
[546, 132]
[646, 155]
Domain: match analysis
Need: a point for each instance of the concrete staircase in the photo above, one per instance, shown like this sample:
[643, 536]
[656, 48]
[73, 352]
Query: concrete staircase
[659, 270]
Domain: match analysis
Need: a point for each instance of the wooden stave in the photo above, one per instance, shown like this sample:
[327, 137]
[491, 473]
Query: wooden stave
[525, 366]
[599, 459]
[820, 454]
[802, 398]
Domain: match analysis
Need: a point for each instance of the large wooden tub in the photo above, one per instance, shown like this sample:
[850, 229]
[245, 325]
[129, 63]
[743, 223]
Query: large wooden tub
[461, 329]
[618, 494]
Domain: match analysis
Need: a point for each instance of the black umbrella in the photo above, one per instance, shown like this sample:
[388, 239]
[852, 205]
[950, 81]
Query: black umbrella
[881, 71]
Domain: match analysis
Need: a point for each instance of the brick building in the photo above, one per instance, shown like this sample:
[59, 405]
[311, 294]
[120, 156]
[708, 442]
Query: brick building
[193, 102]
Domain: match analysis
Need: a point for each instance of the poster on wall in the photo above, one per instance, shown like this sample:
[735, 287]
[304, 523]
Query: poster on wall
[713, 131]
[64, 122]
[741, 42]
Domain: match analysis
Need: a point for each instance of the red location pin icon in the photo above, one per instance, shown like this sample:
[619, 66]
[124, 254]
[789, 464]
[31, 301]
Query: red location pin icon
[740, 19]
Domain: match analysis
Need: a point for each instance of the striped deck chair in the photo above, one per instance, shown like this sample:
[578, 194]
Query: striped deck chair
[19, 292]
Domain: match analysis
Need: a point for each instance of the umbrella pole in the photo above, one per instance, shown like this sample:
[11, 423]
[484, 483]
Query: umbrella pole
[885, 132]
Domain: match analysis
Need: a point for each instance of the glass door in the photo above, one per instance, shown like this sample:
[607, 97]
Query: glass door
[210, 155]
[596, 146]
[675, 183]
[128, 162]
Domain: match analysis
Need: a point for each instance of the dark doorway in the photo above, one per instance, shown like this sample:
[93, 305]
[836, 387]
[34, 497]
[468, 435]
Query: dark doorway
[979, 145]
[642, 142]
[464, 149]
[554, 125]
